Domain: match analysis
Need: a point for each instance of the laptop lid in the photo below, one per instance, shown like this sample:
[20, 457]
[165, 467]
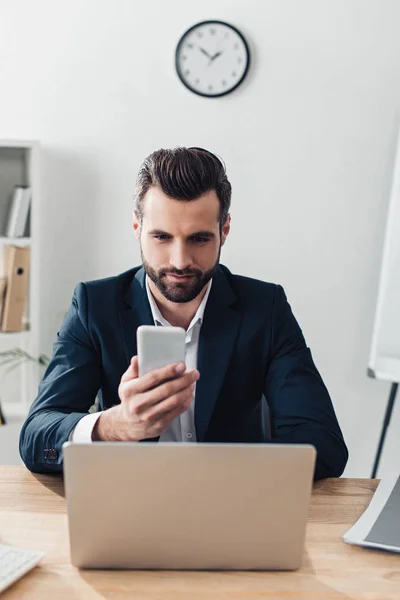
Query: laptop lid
[187, 506]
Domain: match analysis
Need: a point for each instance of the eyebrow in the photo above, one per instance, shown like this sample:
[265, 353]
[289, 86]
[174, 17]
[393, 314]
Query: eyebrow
[208, 234]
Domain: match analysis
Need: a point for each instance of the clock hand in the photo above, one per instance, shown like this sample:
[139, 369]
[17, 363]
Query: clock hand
[215, 56]
[204, 52]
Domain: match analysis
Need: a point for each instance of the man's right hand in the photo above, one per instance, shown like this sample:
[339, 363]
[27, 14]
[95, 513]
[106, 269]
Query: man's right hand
[149, 403]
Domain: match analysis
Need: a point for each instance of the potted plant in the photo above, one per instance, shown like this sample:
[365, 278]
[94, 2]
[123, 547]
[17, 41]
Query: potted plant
[15, 357]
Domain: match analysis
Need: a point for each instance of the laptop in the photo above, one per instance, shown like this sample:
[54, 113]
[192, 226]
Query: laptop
[187, 506]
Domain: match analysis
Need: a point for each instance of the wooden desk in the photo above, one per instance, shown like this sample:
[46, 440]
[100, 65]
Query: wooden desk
[33, 515]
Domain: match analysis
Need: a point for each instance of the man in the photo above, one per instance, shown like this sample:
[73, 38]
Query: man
[243, 344]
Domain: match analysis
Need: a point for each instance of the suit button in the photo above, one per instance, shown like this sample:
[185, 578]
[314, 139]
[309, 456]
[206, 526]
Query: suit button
[51, 453]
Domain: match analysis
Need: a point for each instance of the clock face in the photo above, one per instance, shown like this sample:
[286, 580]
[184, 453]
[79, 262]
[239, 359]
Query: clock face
[212, 58]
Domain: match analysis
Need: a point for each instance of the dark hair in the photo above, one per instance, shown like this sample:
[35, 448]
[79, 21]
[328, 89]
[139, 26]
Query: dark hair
[184, 174]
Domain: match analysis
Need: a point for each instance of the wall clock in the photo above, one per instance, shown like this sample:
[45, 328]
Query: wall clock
[212, 58]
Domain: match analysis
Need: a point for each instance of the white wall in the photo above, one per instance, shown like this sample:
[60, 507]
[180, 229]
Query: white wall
[308, 141]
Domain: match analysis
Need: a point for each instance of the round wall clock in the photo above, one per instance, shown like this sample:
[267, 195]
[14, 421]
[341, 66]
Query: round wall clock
[212, 58]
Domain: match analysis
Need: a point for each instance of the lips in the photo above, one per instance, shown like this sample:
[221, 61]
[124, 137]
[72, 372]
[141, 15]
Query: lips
[179, 277]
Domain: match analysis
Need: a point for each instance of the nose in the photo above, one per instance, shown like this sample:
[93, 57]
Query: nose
[180, 258]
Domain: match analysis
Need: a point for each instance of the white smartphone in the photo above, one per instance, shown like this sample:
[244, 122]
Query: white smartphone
[159, 346]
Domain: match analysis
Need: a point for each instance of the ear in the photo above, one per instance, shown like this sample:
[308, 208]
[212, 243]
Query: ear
[225, 229]
[136, 225]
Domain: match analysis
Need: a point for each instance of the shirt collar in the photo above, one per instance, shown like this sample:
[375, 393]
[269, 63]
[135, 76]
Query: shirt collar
[159, 319]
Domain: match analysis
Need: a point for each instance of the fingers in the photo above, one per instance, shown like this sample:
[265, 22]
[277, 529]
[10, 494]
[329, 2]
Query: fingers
[178, 403]
[154, 378]
[167, 390]
[163, 421]
[132, 371]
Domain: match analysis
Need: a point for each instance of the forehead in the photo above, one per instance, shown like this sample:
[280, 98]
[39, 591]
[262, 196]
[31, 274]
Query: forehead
[165, 213]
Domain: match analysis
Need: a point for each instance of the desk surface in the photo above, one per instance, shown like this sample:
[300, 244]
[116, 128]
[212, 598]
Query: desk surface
[33, 515]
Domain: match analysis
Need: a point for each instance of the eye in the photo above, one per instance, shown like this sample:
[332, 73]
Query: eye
[198, 239]
[162, 237]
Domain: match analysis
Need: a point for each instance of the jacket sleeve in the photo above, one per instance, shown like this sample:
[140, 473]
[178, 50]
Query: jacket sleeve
[67, 391]
[300, 405]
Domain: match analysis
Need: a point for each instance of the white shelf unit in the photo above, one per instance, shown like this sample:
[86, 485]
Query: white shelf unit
[19, 165]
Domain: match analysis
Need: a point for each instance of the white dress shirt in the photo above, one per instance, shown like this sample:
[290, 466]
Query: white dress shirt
[182, 428]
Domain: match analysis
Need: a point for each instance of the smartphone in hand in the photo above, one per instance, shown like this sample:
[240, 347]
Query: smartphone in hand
[159, 346]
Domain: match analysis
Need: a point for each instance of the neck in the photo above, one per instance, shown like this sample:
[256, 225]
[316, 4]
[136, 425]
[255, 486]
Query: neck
[178, 314]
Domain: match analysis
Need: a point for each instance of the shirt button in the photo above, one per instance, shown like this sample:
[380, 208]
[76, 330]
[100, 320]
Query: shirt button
[189, 435]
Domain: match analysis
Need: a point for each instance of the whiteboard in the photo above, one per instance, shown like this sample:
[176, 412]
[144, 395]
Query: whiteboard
[384, 360]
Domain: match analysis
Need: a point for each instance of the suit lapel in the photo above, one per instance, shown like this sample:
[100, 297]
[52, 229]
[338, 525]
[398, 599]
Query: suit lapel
[217, 340]
[136, 312]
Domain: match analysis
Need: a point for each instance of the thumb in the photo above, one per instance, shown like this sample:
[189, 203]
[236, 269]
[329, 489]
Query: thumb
[132, 371]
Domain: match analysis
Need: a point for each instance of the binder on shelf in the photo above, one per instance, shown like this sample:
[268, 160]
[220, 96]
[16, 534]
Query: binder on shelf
[2, 417]
[3, 286]
[19, 210]
[16, 267]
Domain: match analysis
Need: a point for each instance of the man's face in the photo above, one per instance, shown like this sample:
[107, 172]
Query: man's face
[180, 242]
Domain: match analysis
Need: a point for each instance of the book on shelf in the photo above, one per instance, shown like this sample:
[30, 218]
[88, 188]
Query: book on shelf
[3, 286]
[19, 211]
[16, 268]
[2, 417]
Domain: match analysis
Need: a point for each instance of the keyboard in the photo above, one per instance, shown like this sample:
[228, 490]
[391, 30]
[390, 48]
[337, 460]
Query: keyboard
[15, 562]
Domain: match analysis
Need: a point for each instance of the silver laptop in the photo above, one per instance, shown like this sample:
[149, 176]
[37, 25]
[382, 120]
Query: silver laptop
[187, 506]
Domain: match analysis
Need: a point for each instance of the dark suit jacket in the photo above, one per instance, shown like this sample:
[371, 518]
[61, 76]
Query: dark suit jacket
[250, 345]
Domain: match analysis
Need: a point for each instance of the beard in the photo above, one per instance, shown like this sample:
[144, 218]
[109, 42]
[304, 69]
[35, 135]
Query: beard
[176, 291]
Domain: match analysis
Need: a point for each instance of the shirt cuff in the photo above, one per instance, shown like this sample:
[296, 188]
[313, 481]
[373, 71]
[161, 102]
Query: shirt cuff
[82, 433]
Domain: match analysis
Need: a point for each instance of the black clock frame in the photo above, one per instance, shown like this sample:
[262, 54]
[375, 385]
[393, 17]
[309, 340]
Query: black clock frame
[180, 43]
